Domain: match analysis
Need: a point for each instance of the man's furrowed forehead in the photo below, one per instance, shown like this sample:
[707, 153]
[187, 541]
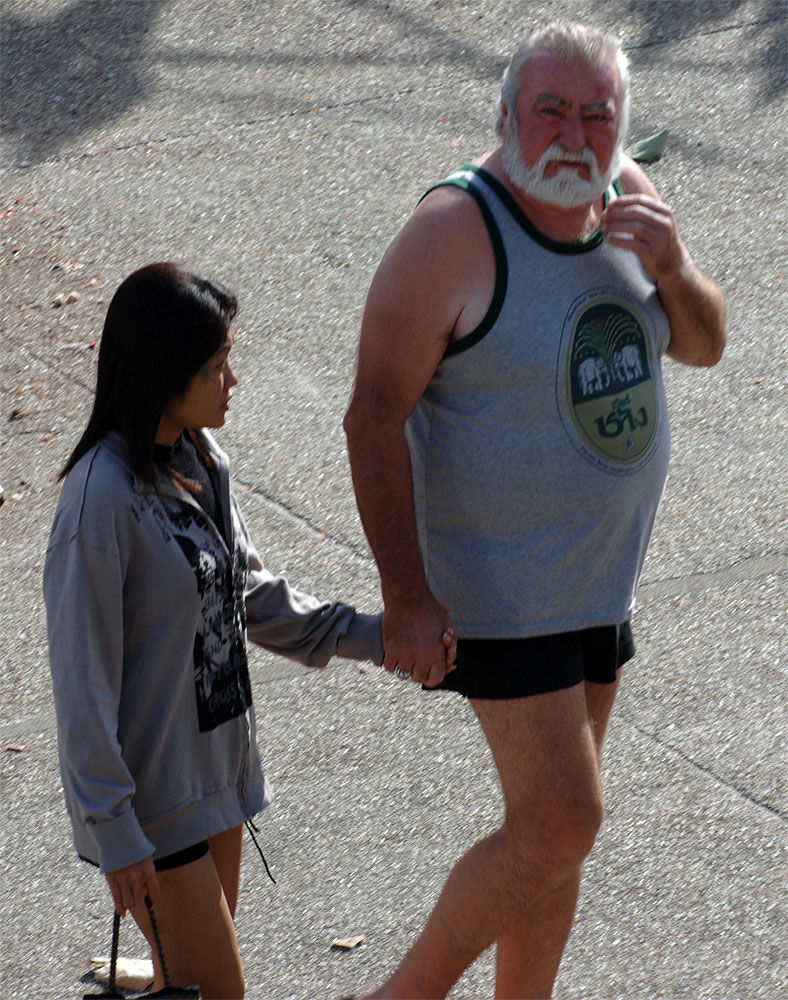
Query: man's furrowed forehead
[571, 83]
[606, 104]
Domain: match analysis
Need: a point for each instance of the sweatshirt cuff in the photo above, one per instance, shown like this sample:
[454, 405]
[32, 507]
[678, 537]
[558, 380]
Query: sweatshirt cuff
[363, 640]
[120, 842]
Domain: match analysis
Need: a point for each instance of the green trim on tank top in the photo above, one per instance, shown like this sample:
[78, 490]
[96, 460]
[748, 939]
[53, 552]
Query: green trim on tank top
[501, 268]
[522, 219]
[501, 263]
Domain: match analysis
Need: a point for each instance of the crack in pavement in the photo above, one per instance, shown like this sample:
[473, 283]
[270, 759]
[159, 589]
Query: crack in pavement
[706, 769]
[720, 30]
[304, 522]
[747, 568]
[12, 166]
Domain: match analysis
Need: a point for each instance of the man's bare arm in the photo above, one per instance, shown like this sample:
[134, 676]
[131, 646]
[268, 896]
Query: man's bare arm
[695, 305]
[413, 305]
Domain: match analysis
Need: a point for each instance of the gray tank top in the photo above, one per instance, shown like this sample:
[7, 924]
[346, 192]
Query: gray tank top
[540, 447]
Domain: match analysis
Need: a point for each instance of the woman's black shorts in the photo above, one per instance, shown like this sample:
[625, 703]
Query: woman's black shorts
[516, 668]
[184, 857]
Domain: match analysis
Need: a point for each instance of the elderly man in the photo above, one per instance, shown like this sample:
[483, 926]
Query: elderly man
[508, 436]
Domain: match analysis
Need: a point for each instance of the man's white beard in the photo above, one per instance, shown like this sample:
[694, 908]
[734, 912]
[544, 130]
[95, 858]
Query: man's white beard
[566, 189]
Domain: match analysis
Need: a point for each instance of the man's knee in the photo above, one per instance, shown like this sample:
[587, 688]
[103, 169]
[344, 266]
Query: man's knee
[562, 833]
[580, 825]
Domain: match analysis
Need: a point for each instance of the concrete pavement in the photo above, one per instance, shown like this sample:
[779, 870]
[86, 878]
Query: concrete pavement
[279, 147]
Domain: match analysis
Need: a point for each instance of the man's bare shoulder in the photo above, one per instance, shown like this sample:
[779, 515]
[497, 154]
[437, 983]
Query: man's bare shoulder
[435, 279]
[438, 250]
[633, 180]
[448, 210]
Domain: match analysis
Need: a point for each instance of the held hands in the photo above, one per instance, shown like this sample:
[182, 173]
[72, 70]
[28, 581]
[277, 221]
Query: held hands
[129, 886]
[644, 225]
[420, 642]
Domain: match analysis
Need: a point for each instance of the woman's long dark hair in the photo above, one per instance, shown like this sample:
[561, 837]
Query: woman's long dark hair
[162, 325]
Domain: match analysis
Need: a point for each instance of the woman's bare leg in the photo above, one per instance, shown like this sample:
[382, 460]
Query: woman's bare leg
[195, 922]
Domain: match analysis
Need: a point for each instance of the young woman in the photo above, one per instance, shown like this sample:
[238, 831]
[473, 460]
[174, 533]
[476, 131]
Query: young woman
[151, 585]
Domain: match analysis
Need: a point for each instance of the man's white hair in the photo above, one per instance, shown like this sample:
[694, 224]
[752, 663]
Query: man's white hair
[568, 42]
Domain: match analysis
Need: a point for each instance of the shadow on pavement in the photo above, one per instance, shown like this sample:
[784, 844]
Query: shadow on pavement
[63, 75]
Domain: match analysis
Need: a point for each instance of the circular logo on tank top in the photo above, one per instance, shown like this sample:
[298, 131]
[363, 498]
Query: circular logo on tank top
[605, 389]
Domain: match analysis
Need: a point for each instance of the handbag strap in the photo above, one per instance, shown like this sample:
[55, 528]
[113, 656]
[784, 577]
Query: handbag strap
[113, 961]
[111, 991]
[157, 939]
[168, 990]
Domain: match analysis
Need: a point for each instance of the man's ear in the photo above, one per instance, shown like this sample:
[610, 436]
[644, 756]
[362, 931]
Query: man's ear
[503, 116]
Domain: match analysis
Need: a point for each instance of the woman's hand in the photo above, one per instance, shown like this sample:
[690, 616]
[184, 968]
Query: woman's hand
[129, 886]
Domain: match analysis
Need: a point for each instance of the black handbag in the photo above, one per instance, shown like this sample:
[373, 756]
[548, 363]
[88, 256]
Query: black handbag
[168, 990]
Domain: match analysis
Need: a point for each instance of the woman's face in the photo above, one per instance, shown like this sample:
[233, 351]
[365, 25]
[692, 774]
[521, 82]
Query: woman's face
[205, 401]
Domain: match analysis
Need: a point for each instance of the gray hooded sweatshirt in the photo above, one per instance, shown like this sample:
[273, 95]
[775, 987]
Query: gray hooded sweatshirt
[148, 607]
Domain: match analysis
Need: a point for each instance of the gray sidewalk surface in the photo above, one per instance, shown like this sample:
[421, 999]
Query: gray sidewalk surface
[279, 147]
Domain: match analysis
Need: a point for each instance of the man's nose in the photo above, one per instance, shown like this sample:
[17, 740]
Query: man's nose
[572, 133]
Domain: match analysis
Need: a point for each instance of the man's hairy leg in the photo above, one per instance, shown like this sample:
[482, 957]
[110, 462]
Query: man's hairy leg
[529, 954]
[545, 753]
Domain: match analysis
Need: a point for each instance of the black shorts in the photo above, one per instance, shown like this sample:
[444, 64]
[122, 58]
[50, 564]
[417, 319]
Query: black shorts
[184, 857]
[517, 668]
